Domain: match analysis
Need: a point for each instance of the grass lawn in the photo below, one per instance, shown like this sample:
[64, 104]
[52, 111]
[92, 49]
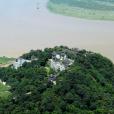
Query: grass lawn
[5, 60]
[4, 91]
[89, 9]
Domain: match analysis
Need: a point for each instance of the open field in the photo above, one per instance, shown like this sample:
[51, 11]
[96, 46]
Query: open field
[5, 60]
[89, 9]
[4, 91]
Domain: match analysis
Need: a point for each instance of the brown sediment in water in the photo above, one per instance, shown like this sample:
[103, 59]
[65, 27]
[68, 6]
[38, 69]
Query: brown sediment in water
[32, 28]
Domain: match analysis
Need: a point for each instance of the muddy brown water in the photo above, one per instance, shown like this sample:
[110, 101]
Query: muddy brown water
[27, 24]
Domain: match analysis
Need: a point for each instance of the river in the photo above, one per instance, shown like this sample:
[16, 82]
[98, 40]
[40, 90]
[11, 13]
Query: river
[27, 24]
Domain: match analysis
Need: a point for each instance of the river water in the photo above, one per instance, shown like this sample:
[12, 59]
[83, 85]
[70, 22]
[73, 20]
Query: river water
[27, 24]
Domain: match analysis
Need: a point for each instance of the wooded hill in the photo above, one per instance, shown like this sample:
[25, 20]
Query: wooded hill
[85, 87]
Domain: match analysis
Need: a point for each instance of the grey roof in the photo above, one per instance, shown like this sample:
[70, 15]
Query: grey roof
[52, 78]
[54, 53]
[66, 62]
[60, 53]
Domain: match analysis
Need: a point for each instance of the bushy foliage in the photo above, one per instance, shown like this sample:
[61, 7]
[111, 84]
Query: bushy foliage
[86, 87]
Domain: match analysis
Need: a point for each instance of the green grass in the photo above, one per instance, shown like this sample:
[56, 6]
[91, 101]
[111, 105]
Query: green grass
[5, 60]
[89, 9]
[48, 70]
[4, 91]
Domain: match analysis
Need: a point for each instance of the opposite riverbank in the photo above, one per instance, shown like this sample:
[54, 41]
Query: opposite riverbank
[96, 9]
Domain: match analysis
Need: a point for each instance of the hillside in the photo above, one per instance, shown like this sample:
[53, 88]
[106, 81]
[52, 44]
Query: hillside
[81, 82]
[89, 9]
[4, 92]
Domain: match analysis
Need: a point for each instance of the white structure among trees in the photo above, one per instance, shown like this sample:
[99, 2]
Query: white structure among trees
[19, 62]
[60, 61]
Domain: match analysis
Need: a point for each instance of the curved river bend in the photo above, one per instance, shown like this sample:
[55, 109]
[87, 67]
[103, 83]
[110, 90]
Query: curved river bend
[27, 24]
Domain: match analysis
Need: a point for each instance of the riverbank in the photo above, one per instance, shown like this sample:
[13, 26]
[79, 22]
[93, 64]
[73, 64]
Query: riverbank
[24, 27]
[96, 9]
[5, 61]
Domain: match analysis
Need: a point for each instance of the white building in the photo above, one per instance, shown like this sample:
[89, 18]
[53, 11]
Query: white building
[4, 83]
[60, 61]
[19, 62]
[56, 65]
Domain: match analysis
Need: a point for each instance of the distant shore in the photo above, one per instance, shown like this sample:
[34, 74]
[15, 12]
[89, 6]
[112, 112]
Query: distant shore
[96, 10]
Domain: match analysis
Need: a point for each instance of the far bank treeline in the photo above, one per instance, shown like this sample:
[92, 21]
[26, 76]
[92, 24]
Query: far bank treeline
[88, 9]
[86, 87]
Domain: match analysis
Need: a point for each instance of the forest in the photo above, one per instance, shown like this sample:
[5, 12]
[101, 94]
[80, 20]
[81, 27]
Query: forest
[85, 87]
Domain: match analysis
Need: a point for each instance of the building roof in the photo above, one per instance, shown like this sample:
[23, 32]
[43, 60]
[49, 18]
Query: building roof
[52, 78]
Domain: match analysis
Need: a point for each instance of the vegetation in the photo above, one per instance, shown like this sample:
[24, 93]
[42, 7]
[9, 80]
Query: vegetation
[5, 60]
[86, 87]
[4, 92]
[89, 9]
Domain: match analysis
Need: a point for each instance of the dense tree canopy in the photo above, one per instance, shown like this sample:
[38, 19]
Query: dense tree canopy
[86, 87]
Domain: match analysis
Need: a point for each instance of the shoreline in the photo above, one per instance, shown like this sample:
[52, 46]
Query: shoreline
[80, 12]
[37, 29]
